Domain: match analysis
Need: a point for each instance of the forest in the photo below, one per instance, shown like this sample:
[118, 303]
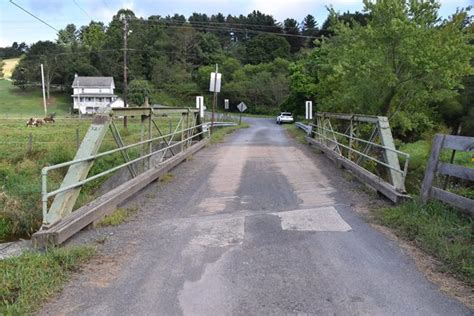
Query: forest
[396, 58]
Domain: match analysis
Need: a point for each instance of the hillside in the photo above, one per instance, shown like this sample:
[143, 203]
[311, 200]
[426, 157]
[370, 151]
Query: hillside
[9, 66]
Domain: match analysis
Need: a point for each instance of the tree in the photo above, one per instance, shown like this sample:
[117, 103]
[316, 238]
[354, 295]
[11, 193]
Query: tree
[138, 91]
[13, 51]
[19, 77]
[93, 35]
[266, 47]
[68, 36]
[262, 87]
[50, 54]
[403, 60]
[310, 28]
[291, 27]
[1, 68]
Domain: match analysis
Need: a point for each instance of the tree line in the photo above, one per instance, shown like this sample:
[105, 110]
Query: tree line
[396, 58]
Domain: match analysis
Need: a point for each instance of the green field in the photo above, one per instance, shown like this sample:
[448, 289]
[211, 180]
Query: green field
[17, 103]
[21, 162]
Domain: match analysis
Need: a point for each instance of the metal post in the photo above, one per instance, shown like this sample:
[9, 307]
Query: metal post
[64, 201]
[390, 157]
[150, 135]
[182, 132]
[44, 192]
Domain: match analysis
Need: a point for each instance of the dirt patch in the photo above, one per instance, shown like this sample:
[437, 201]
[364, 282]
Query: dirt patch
[103, 269]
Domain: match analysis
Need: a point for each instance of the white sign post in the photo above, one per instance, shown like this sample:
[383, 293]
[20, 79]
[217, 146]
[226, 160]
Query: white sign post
[242, 107]
[226, 104]
[200, 106]
[215, 82]
[214, 86]
[309, 110]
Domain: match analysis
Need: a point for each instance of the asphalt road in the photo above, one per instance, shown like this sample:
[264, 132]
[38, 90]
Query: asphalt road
[256, 225]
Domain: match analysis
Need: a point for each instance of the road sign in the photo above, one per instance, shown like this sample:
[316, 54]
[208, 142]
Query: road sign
[309, 110]
[226, 104]
[200, 105]
[242, 107]
[213, 83]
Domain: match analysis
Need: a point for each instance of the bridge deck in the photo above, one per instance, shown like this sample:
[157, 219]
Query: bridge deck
[256, 225]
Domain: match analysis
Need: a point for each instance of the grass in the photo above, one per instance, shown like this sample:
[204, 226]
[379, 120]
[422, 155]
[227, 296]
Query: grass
[28, 280]
[17, 103]
[20, 186]
[220, 132]
[437, 229]
[166, 178]
[9, 66]
[117, 217]
[295, 133]
[419, 154]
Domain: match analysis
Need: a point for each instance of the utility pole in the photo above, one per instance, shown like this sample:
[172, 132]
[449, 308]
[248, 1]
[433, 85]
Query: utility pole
[44, 97]
[125, 86]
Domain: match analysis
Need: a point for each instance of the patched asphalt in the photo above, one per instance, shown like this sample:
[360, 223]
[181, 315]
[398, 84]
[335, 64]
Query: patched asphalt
[256, 225]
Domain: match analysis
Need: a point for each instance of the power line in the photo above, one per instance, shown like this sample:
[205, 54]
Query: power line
[219, 28]
[39, 19]
[82, 9]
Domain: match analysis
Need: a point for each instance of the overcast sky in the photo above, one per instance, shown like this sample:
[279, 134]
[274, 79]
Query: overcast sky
[16, 25]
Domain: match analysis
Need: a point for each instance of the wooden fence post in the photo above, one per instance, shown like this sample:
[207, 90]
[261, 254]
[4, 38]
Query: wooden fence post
[431, 167]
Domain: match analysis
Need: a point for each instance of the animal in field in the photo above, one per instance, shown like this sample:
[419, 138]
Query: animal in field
[39, 122]
[49, 119]
[30, 122]
[34, 122]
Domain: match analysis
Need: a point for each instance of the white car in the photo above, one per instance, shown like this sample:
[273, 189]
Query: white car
[284, 117]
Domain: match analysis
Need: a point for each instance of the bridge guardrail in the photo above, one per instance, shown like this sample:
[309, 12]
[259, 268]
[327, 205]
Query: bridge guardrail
[351, 151]
[45, 195]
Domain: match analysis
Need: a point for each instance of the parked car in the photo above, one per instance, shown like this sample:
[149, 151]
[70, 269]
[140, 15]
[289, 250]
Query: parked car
[284, 117]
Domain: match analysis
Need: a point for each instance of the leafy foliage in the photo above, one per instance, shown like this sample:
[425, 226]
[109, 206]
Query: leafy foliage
[138, 91]
[398, 65]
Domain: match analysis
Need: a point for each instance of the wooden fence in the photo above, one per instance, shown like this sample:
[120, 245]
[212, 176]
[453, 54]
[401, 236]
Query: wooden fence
[435, 167]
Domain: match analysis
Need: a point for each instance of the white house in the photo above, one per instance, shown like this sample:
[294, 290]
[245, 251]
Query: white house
[92, 93]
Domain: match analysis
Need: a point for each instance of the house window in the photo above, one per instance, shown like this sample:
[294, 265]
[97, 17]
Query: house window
[81, 99]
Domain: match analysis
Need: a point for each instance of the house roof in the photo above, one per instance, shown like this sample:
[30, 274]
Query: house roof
[92, 82]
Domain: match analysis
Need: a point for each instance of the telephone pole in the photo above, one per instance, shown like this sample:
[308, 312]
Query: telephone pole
[125, 86]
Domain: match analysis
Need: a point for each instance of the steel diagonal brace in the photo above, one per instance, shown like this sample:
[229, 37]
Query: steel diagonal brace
[63, 202]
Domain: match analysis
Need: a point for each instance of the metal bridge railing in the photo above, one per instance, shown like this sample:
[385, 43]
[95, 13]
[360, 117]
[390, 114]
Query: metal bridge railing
[191, 132]
[353, 150]
[349, 147]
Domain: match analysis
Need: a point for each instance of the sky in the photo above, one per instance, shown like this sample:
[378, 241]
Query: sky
[16, 25]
